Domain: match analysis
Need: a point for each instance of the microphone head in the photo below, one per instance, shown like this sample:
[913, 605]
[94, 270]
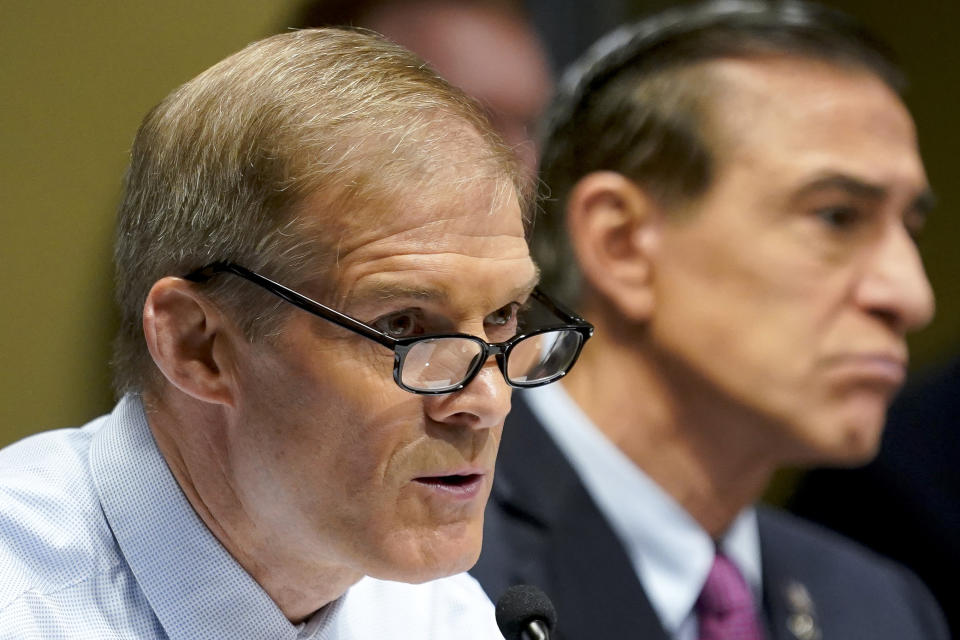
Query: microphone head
[520, 605]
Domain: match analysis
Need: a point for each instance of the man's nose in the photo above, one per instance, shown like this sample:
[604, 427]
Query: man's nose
[894, 285]
[482, 404]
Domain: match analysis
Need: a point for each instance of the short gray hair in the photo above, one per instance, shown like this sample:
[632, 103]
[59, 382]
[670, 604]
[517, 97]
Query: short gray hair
[639, 103]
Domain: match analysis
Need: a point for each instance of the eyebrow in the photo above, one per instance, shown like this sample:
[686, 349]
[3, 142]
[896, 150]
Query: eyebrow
[923, 203]
[528, 286]
[382, 291]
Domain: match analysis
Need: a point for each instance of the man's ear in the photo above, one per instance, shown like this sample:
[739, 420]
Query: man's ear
[614, 228]
[189, 341]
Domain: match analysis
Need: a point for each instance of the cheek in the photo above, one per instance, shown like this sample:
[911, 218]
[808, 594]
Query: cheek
[717, 316]
[339, 481]
[333, 420]
[362, 439]
[752, 325]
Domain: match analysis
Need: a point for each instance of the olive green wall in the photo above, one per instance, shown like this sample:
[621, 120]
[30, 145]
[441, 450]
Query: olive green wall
[78, 77]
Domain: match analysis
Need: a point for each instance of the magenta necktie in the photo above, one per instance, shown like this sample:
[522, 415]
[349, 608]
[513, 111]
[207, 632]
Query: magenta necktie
[725, 607]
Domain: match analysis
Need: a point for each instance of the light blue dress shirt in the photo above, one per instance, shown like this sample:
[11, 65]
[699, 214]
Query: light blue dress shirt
[98, 542]
[671, 553]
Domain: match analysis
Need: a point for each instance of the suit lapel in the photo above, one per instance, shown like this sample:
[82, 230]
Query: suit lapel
[789, 609]
[583, 567]
[592, 576]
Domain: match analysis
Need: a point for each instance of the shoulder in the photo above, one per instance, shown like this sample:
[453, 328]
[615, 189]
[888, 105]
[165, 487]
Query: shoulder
[53, 531]
[449, 607]
[814, 545]
[852, 587]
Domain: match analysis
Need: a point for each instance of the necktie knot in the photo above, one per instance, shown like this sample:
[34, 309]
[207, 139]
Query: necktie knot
[725, 608]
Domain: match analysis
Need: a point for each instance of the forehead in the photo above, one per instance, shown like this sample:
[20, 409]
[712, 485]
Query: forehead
[443, 215]
[415, 180]
[459, 231]
[450, 187]
[810, 116]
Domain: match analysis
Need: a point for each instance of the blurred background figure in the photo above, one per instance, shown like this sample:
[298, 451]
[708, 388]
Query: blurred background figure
[906, 503]
[487, 48]
[736, 190]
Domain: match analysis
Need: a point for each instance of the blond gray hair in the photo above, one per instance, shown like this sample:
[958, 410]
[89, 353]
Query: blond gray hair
[219, 168]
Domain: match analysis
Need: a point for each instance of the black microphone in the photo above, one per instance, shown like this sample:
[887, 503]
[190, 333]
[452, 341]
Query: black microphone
[524, 612]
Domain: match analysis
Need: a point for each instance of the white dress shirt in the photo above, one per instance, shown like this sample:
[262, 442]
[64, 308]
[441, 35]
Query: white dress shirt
[671, 553]
[98, 542]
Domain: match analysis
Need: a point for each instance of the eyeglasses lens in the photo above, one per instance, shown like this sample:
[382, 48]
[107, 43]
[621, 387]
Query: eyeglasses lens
[542, 356]
[439, 363]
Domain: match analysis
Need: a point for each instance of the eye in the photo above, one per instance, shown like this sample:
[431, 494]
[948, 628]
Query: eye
[840, 217]
[504, 315]
[914, 222]
[402, 324]
[502, 323]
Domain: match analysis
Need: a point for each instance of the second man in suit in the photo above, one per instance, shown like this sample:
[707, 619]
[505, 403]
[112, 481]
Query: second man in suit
[736, 188]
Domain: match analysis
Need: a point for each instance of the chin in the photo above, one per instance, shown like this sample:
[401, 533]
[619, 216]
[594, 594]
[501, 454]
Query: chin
[850, 455]
[845, 432]
[848, 443]
[428, 556]
[860, 448]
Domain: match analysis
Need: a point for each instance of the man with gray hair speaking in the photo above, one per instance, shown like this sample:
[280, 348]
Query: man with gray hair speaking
[735, 186]
[326, 297]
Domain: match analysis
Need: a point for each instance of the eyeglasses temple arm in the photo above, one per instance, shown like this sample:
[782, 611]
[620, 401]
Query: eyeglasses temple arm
[312, 306]
[557, 308]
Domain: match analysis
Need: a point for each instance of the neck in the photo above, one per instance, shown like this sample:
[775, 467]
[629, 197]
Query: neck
[706, 457]
[194, 440]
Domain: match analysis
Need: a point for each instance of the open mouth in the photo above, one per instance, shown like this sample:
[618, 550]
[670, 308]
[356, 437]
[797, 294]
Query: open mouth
[452, 481]
[459, 485]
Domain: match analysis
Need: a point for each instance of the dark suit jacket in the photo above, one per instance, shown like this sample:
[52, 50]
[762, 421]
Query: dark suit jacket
[542, 528]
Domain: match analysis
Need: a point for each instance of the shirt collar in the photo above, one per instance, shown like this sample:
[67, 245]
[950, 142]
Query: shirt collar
[194, 586]
[670, 552]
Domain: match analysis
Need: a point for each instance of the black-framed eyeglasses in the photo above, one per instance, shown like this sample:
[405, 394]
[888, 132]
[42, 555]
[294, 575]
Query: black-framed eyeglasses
[444, 363]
